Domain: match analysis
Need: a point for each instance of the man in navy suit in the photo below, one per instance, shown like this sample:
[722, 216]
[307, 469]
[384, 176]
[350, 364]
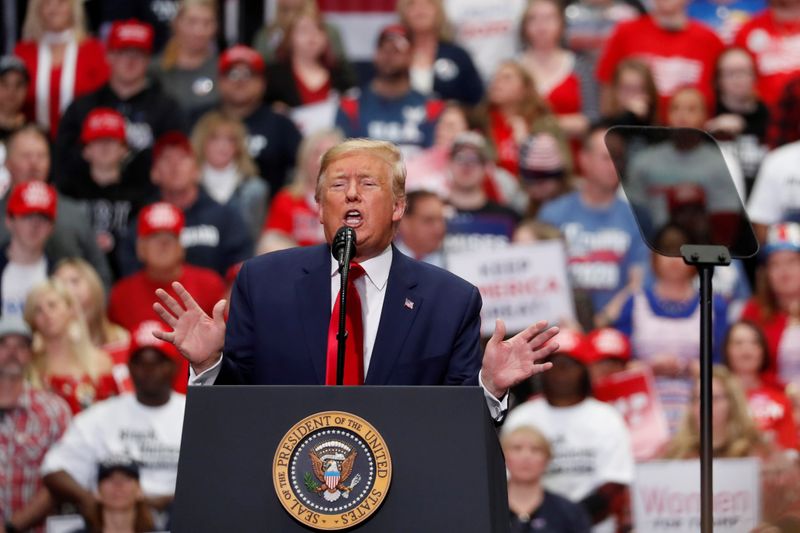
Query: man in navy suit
[421, 324]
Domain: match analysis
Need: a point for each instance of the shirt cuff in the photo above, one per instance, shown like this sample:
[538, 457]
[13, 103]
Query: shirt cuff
[497, 408]
[207, 376]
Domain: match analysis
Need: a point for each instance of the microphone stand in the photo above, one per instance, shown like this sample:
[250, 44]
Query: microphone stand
[341, 335]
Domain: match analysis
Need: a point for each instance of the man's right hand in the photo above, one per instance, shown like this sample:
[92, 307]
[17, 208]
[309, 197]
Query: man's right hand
[196, 335]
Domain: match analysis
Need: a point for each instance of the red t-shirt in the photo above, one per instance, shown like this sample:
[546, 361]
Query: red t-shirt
[132, 298]
[310, 96]
[296, 217]
[565, 98]
[91, 71]
[677, 58]
[81, 393]
[776, 48]
[772, 411]
[503, 139]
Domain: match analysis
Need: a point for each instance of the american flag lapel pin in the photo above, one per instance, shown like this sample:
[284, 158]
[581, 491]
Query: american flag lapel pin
[408, 304]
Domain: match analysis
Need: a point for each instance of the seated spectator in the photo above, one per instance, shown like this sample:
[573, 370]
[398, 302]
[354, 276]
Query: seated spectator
[14, 81]
[774, 308]
[478, 222]
[143, 427]
[273, 138]
[63, 61]
[389, 108]
[30, 415]
[421, 231]
[543, 171]
[552, 66]
[215, 236]
[120, 505]
[439, 67]
[741, 117]
[592, 460]
[187, 68]
[228, 173]
[306, 69]
[605, 251]
[661, 319]
[30, 214]
[293, 218]
[159, 248]
[632, 98]
[745, 353]
[64, 359]
[148, 111]
[29, 160]
[531, 507]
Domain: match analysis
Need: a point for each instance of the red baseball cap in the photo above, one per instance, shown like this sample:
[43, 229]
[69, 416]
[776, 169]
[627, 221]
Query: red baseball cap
[103, 123]
[131, 34]
[241, 54]
[397, 33]
[32, 198]
[142, 337]
[160, 217]
[573, 344]
[608, 343]
[171, 139]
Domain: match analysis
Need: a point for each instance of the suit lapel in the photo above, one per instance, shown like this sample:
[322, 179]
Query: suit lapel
[400, 308]
[313, 296]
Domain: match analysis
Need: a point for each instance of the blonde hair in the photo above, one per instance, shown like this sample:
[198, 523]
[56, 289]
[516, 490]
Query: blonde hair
[101, 330]
[33, 28]
[85, 355]
[743, 436]
[532, 106]
[170, 55]
[531, 431]
[443, 27]
[206, 127]
[307, 146]
[384, 150]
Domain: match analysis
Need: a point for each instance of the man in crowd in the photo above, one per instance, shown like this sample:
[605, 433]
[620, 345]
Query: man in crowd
[29, 160]
[776, 192]
[592, 458]
[279, 334]
[605, 251]
[14, 81]
[30, 215]
[421, 232]
[214, 236]
[388, 108]
[273, 138]
[148, 111]
[144, 427]
[31, 421]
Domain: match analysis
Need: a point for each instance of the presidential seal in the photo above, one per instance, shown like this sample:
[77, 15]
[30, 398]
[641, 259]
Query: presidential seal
[331, 470]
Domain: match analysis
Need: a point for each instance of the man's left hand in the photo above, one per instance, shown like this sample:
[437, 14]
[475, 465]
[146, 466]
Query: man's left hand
[508, 362]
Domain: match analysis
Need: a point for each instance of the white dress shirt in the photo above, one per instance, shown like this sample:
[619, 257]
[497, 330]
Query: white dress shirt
[372, 289]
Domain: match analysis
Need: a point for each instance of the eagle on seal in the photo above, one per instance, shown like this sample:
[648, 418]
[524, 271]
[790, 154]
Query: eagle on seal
[327, 470]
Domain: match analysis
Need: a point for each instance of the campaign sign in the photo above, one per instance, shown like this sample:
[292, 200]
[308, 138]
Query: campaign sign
[666, 496]
[519, 284]
[632, 393]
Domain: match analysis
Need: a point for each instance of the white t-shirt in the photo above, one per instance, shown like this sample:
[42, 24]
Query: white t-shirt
[776, 193]
[590, 443]
[123, 427]
[17, 281]
[488, 30]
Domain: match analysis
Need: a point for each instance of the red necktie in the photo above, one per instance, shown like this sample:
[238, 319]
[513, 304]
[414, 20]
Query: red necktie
[354, 344]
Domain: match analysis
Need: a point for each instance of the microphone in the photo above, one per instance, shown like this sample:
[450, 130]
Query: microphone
[343, 247]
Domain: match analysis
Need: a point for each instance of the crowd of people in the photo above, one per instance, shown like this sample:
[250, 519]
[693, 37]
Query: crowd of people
[147, 143]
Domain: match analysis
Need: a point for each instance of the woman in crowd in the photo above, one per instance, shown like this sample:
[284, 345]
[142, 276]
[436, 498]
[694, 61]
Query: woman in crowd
[187, 69]
[532, 508]
[62, 60]
[514, 110]
[661, 321]
[439, 67]
[632, 98]
[306, 71]
[552, 65]
[293, 217]
[64, 358]
[776, 305]
[228, 173]
[121, 507]
[745, 353]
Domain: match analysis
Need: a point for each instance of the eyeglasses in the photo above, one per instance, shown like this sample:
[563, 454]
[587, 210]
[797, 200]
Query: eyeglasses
[467, 159]
[239, 73]
[11, 374]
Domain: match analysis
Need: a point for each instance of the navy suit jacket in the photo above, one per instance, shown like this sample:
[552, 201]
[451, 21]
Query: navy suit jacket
[281, 306]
